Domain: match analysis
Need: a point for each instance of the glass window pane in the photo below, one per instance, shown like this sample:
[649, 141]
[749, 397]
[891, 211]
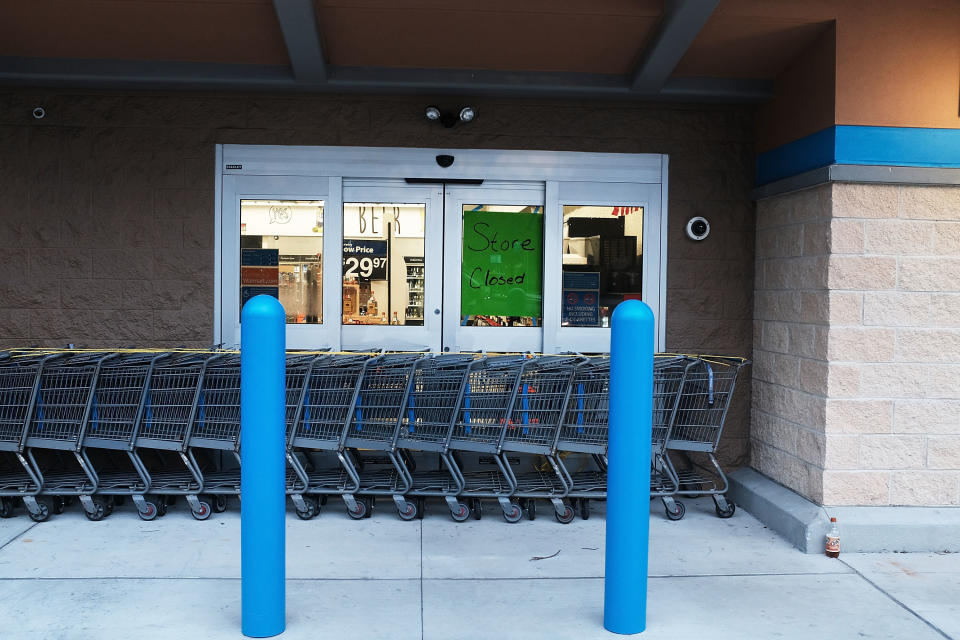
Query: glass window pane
[281, 254]
[602, 262]
[502, 266]
[383, 263]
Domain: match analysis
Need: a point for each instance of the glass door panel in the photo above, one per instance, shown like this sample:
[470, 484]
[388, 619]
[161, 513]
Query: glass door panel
[494, 257]
[391, 267]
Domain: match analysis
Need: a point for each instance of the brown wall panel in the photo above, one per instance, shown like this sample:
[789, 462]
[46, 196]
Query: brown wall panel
[107, 219]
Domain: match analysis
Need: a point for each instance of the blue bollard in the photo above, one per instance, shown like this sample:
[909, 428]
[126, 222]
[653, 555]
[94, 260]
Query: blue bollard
[263, 467]
[628, 473]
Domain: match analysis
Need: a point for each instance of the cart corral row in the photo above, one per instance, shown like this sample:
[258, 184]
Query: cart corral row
[102, 426]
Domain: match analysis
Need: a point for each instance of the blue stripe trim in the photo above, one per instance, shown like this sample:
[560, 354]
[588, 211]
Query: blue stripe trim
[849, 144]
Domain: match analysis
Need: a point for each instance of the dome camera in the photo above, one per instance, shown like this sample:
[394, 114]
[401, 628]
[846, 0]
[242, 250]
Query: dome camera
[698, 228]
[39, 113]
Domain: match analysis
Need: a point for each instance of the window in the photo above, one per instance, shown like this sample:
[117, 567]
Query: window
[383, 263]
[502, 266]
[281, 254]
[602, 262]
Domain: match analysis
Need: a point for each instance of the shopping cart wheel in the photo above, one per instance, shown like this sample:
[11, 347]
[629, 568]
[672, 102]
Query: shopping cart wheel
[161, 506]
[409, 512]
[421, 507]
[569, 513]
[726, 513]
[59, 505]
[323, 500]
[461, 513]
[203, 512]
[585, 508]
[150, 511]
[514, 515]
[44, 511]
[311, 511]
[219, 504]
[531, 509]
[678, 513]
[6, 508]
[101, 509]
[361, 511]
[476, 508]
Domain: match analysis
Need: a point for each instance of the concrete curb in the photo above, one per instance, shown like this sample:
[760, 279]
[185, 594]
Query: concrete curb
[800, 521]
[862, 529]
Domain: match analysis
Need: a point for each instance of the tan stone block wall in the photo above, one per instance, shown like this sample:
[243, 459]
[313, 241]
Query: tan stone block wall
[107, 220]
[897, 413]
[792, 312]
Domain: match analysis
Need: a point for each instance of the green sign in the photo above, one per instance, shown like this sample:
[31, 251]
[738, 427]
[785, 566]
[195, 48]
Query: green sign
[502, 264]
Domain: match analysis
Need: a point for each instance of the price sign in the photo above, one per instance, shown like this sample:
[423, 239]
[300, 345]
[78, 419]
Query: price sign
[365, 259]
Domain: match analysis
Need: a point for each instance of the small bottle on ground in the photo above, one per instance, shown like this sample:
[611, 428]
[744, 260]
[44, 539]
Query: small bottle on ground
[833, 540]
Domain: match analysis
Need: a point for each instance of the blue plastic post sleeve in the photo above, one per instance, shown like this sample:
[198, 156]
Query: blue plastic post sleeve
[263, 467]
[628, 473]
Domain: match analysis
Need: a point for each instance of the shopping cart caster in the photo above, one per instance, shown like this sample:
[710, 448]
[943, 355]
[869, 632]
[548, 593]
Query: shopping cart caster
[59, 505]
[421, 508]
[476, 508]
[677, 512]
[6, 508]
[149, 512]
[101, 509]
[42, 507]
[360, 510]
[202, 511]
[460, 513]
[311, 509]
[585, 508]
[531, 509]
[723, 508]
[219, 504]
[565, 517]
[513, 515]
[408, 512]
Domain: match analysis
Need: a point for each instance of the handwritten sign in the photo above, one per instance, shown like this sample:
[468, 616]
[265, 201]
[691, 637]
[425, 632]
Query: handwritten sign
[502, 264]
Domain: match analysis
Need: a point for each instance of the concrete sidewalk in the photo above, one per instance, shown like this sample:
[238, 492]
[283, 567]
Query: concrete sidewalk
[382, 578]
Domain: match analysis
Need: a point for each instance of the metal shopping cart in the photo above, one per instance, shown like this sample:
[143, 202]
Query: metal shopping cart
[119, 403]
[701, 412]
[482, 416]
[669, 374]
[373, 422]
[216, 429]
[173, 399]
[583, 433]
[60, 415]
[426, 422]
[533, 425]
[319, 426]
[19, 381]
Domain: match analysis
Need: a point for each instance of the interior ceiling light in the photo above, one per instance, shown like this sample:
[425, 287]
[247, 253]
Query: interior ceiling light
[467, 114]
[432, 113]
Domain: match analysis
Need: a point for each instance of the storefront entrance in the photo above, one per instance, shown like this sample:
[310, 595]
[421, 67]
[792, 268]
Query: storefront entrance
[446, 259]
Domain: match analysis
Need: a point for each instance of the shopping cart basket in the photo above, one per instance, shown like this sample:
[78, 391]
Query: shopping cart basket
[62, 407]
[704, 401]
[119, 403]
[173, 398]
[533, 426]
[19, 381]
[426, 423]
[482, 416]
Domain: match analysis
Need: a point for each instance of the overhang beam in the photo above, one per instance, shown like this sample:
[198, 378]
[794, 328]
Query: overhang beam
[681, 23]
[301, 33]
[199, 76]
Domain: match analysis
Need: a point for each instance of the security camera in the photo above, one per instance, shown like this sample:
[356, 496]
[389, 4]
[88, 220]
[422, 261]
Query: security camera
[698, 228]
[39, 113]
[444, 160]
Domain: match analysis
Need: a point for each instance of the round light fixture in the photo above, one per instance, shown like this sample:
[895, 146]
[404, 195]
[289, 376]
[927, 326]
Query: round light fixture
[467, 114]
[432, 113]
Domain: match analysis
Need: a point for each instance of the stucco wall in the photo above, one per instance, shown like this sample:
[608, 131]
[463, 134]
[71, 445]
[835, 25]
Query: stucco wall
[107, 215]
